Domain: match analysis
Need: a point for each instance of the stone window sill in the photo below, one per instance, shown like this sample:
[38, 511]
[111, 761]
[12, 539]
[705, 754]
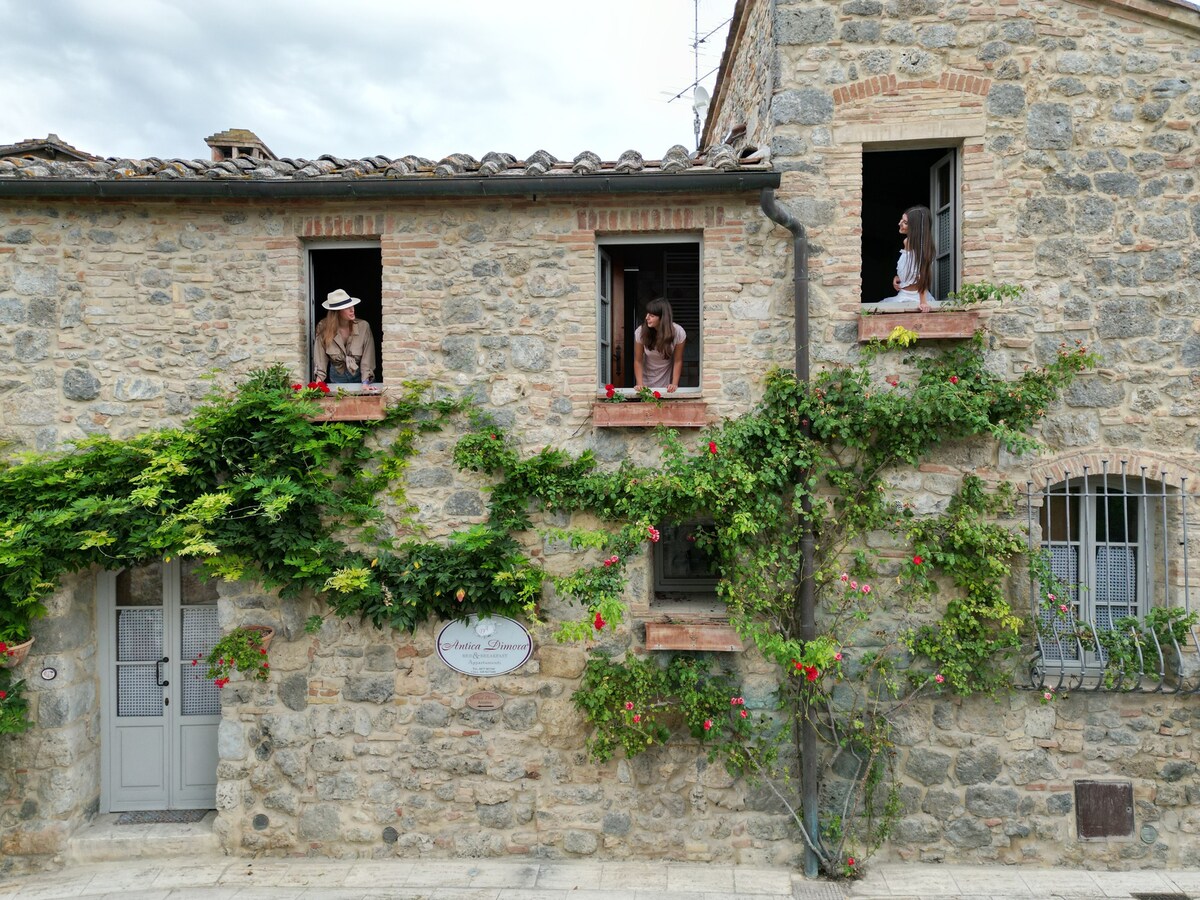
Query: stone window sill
[712, 636]
[939, 324]
[635, 414]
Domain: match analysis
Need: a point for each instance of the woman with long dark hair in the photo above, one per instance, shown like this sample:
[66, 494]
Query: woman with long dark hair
[658, 348]
[914, 268]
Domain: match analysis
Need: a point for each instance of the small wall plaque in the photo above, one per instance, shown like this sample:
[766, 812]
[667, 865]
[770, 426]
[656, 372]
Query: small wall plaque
[485, 700]
[487, 647]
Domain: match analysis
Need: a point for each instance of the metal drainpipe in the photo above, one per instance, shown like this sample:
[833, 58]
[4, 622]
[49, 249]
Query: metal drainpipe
[806, 592]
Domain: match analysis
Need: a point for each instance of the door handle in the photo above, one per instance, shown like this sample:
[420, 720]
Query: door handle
[158, 672]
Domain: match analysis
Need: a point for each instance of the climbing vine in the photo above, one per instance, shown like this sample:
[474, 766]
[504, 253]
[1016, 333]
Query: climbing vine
[254, 488]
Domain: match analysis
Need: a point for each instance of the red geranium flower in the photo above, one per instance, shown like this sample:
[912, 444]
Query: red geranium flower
[599, 622]
[297, 387]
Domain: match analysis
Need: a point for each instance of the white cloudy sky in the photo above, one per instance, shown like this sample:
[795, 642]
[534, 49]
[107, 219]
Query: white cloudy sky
[356, 77]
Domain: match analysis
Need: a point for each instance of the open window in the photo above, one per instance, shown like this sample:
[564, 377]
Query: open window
[356, 268]
[629, 274]
[894, 180]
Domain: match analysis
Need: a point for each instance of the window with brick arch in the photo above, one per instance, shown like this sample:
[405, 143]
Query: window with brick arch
[894, 180]
[630, 272]
[1117, 547]
[357, 268]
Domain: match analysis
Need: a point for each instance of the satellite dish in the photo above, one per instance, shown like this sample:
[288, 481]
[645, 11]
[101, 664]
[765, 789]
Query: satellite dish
[700, 99]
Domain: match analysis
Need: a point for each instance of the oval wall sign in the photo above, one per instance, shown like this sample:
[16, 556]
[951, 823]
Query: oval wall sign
[496, 645]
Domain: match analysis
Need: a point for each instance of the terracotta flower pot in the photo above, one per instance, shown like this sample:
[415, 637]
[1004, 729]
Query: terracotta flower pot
[15, 654]
[266, 631]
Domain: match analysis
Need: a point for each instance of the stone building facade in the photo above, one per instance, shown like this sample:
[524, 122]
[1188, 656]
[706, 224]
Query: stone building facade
[1072, 137]
[1066, 135]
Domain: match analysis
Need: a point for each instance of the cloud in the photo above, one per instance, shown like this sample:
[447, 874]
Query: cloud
[354, 78]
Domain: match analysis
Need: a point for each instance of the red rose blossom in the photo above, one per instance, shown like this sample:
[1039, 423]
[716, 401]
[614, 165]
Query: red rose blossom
[707, 724]
[954, 379]
[712, 446]
[657, 395]
[917, 560]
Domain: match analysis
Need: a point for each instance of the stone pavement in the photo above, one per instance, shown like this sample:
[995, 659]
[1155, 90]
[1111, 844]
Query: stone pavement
[205, 877]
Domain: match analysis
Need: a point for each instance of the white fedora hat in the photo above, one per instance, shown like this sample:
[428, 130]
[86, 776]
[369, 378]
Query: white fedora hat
[339, 299]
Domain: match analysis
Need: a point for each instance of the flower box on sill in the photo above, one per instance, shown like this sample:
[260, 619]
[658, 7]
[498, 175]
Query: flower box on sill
[636, 414]
[710, 636]
[936, 324]
[350, 408]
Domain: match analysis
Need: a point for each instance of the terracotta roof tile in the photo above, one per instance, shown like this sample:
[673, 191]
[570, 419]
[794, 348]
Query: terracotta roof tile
[457, 165]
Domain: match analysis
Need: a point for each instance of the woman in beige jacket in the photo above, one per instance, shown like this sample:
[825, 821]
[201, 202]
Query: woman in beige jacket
[344, 348]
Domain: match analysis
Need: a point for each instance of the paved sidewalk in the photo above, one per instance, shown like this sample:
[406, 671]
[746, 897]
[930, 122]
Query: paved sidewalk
[915, 881]
[222, 878]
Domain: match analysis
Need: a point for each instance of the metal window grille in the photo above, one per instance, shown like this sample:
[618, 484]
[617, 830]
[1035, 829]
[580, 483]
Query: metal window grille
[199, 632]
[1115, 544]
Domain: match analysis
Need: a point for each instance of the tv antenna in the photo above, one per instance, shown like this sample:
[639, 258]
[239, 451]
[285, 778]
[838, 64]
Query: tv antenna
[699, 94]
[700, 97]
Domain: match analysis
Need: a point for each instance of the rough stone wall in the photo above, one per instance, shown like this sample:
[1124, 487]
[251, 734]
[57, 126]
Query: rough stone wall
[1078, 134]
[114, 311]
[996, 780]
[1077, 130]
[747, 85]
[362, 745]
[119, 309]
[50, 777]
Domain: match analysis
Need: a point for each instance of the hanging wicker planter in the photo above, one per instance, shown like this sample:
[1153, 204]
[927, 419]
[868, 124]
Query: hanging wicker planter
[15, 654]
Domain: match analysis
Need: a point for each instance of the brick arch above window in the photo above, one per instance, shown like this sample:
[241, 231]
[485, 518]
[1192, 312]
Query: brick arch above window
[890, 85]
[1158, 466]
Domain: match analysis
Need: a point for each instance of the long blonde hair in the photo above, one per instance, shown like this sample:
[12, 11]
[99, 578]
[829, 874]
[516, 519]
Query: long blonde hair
[327, 327]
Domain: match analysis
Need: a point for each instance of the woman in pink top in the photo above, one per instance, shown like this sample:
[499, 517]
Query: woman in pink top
[658, 348]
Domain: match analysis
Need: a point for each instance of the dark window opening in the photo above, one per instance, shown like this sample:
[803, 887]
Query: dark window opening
[631, 275]
[359, 272]
[685, 574]
[892, 182]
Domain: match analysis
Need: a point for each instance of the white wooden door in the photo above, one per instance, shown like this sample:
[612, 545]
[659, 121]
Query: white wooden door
[160, 713]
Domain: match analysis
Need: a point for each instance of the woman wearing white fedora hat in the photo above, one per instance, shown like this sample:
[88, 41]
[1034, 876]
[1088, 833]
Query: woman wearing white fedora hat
[344, 348]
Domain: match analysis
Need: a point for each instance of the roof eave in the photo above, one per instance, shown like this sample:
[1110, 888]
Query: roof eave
[502, 186]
